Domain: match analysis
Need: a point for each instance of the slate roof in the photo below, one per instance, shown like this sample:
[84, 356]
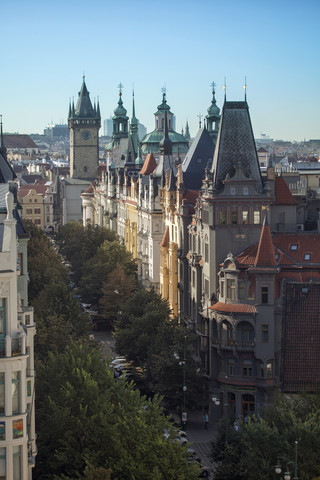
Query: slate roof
[6, 172]
[84, 107]
[283, 194]
[202, 149]
[18, 141]
[236, 146]
[301, 338]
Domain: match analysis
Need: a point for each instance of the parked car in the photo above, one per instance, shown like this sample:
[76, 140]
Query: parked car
[204, 471]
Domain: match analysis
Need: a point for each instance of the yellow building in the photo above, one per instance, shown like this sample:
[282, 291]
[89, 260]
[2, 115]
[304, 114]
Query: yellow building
[31, 199]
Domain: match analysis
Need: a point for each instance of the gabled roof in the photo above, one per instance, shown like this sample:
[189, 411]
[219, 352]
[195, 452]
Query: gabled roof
[283, 194]
[19, 141]
[195, 162]
[6, 172]
[149, 165]
[235, 146]
[25, 189]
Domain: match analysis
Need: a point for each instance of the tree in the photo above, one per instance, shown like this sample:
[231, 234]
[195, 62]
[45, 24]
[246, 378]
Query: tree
[86, 417]
[96, 270]
[149, 336]
[79, 244]
[44, 264]
[273, 435]
[115, 292]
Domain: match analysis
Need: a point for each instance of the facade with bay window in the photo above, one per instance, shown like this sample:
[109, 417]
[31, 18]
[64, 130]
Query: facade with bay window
[17, 330]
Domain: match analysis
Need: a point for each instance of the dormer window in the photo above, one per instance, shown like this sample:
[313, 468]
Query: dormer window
[307, 256]
[293, 247]
[199, 160]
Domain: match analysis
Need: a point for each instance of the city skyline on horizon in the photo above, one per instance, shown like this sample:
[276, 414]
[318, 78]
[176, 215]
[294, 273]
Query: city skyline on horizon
[271, 47]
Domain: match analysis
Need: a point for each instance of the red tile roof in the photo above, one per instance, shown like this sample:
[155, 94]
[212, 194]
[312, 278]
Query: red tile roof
[233, 308]
[149, 165]
[265, 253]
[18, 141]
[165, 238]
[25, 189]
[283, 194]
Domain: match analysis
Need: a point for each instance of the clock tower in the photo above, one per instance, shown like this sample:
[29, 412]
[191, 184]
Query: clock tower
[84, 122]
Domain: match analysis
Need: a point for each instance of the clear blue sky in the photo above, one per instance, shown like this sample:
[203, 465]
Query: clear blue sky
[184, 45]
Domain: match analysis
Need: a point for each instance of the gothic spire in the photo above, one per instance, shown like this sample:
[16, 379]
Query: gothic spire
[165, 144]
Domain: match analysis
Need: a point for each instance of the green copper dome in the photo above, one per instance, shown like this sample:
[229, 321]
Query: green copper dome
[120, 111]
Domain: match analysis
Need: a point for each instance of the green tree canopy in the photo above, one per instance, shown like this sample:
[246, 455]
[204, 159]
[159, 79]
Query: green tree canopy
[88, 418]
[148, 335]
[96, 269]
[252, 452]
[78, 243]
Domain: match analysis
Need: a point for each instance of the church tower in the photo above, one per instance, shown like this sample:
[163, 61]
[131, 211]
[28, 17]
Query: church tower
[213, 117]
[84, 122]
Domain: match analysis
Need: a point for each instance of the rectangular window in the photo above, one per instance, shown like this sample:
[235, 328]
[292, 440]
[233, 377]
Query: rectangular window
[231, 289]
[245, 217]
[234, 217]
[193, 278]
[222, 288]
[37, 210]
[256, 217]
[222, 217]
[20, 257]
[2, 321]
[3, 463]
[2, 394]
[17, 474]
[37, 221]
[242, 290]
[15, 392]
[247, 368]
[264, 333]
[269, 370]
[231, 367]
[206, 287]
[206, 252]
[264, 295]
[29, 211]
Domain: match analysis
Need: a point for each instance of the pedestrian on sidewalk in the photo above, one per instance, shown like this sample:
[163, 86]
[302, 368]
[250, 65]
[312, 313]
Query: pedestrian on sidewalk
[206, 420]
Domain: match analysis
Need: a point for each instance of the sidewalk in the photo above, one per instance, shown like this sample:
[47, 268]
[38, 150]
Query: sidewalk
[201, 438]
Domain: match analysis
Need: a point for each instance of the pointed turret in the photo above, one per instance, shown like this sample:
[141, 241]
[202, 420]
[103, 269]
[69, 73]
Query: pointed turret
[187, 134]
[213, 117]
[84, 107]
[3, 149]
[235, 147]
[120, 119]
[165, 144]
[265, 254]
[6, 172]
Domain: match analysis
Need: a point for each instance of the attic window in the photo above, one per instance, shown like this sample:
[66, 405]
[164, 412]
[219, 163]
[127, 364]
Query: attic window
[277, 256]
[294, 247]
[307, 256]
[199, 160]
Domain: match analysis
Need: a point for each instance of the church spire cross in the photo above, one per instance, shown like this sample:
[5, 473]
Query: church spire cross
[120, 86]
[213, 86]
[200, 117]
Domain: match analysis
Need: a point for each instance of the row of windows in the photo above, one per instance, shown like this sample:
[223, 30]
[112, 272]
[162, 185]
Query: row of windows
[247, 333]
[246, 367]
[29, 211]
[15, 392]
[235, 215]
[230, 291]
[17, 465]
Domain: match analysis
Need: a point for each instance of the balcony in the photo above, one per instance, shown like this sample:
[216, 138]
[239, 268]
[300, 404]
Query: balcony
[230, 344]
[11, 347]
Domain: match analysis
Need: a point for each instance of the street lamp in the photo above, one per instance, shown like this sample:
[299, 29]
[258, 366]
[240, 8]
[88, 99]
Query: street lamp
[287, 474]
[216, 401]
[184, 387]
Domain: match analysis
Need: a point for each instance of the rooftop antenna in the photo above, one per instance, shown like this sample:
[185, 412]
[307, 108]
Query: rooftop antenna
[225, 89]
[245, 89]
